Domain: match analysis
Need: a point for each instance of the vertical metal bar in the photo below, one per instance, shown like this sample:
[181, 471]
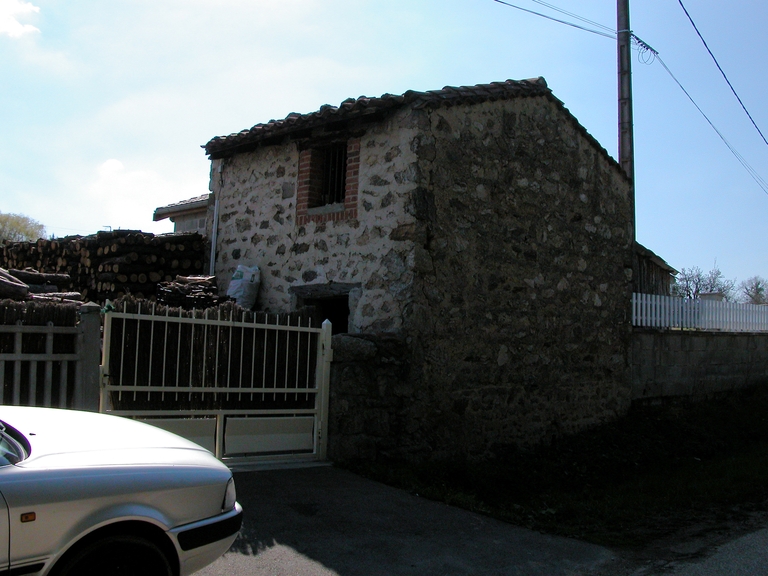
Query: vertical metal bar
[216, 368]
[2, 381]
[229, 354]
[274, 368]
[264, 357]
[298, 359]
[242, 353]
[191, 349]
[165, 348]
[309, 357]
[253, 356]
[17, 342]
[205, 349]
[32, 399]
[287, 350]
[178, 352]
[122, 357]
[337, 175]
[63, 388]
[136, 353]
[48, 385]
[152, 346]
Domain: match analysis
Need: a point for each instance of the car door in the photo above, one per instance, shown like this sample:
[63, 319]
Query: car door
[5, 533]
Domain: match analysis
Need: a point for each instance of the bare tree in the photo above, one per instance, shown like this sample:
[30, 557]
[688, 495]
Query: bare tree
[693, 282]
[20, 228]
[754, 290]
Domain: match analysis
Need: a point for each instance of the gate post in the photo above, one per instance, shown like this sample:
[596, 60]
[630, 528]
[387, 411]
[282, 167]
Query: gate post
[89, 344]
[324, 383]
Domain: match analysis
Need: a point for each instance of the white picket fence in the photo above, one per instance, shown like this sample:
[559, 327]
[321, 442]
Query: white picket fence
[650, 310]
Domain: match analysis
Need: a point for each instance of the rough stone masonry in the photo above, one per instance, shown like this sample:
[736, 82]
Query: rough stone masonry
[492, 244]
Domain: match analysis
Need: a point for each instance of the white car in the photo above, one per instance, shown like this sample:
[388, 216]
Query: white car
[90, 494]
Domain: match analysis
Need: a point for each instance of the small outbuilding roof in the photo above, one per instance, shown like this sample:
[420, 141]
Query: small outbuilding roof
[655, 258]
[184, 207]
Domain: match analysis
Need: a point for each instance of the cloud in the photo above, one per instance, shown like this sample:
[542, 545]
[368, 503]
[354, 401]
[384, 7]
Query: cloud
[127, 198]
[9, 10]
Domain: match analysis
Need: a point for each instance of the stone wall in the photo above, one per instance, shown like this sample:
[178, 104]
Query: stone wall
[693, 364]
[520, 323]
[257, 195]
[370, 396]
[493, 245]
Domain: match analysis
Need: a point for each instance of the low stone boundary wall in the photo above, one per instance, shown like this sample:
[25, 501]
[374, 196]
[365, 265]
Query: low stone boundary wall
[695, 364]
[370, 397]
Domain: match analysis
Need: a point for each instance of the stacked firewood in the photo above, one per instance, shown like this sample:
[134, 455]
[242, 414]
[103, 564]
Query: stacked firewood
[110, 264]
[190, 292]
[32, 285]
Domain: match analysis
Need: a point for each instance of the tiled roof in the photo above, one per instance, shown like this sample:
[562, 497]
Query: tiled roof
[223, 146]
[190, 204]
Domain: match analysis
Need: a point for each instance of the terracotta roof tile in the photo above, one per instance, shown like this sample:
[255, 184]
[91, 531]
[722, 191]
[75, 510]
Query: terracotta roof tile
[351, 108]
[196, 203]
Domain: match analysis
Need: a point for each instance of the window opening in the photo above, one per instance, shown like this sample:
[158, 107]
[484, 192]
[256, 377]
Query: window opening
[333, 308]
[332, 161]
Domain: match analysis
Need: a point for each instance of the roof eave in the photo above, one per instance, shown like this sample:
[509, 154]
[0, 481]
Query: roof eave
[171, 211]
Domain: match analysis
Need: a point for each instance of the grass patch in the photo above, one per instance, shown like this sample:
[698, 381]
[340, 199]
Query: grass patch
[654, 471]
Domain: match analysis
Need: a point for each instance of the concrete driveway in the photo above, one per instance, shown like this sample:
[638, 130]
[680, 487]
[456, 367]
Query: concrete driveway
[326, 521]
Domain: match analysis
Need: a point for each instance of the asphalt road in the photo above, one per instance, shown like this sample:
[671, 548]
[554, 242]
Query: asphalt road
[329, 522]
[744, 556]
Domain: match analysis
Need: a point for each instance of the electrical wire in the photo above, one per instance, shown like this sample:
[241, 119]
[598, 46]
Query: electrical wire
[572, 15]
[648, 55]
[721, 71]
[646, 49]
[752, 172]
[598, 32]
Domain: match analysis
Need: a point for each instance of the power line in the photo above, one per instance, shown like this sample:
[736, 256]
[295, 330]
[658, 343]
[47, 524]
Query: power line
[646, 49]
[598, 32]
[572, 15]
[752, 172]
[721, 71]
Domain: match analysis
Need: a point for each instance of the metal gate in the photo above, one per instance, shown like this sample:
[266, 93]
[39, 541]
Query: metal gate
[247, 390]
[51, 365]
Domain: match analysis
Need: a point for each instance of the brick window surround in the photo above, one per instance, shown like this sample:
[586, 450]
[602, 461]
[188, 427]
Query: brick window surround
[309, 173]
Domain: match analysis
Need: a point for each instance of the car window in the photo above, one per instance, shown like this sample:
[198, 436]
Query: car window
[12, 450]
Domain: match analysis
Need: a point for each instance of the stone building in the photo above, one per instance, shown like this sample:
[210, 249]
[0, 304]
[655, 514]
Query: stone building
[481, 228]
[189, 215]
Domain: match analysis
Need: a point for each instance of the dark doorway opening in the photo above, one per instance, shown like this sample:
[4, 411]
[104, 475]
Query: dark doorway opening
[335, 309]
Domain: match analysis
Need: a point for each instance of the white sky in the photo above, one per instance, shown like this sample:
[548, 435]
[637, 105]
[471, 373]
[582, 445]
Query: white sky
[104, 105]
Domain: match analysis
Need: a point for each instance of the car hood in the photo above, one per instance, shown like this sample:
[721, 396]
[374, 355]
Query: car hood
[72, 438]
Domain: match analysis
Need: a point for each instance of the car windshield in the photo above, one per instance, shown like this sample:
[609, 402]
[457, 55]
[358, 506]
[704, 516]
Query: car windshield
[11, 450]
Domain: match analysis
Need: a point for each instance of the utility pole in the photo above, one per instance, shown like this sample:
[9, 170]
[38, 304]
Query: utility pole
[626, 137]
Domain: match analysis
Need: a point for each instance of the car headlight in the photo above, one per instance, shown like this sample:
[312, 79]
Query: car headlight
[230, 496]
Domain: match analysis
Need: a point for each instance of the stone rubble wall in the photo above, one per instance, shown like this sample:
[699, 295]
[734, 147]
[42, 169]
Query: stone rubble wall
[257, 211]
[520, 327]
[493, 249]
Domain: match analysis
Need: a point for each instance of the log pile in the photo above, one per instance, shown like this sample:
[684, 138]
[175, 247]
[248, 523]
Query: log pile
[110, 264]
[31, 285]
[190, 292]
